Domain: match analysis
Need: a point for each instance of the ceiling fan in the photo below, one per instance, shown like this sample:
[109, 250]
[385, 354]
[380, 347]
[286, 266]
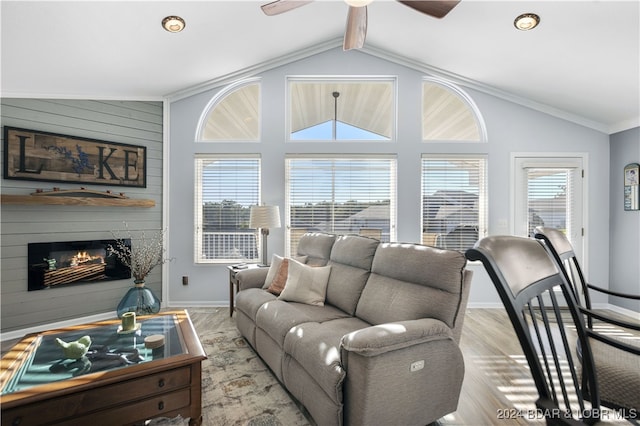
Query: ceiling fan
[356, 30]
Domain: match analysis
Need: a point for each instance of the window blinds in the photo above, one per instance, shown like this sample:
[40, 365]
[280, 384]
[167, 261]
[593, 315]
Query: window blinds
[453, 201]
[341, 195]
[226, 188]
[549, 197]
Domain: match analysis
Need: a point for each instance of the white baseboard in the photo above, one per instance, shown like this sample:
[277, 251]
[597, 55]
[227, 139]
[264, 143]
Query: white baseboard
[485, 305]
[624, 311]
[198, 304]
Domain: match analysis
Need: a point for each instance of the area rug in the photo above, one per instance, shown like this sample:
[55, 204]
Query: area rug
[237, 387]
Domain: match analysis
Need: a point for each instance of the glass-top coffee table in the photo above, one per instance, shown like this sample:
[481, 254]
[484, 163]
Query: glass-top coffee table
[120, 379]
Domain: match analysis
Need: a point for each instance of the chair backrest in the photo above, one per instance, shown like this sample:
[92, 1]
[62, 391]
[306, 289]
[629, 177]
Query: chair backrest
[544, 315]
[559, 247]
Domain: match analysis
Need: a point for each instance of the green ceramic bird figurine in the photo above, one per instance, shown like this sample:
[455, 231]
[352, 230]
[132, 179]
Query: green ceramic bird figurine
[77, 349]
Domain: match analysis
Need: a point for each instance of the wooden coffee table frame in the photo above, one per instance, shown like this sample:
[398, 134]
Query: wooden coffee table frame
[126, 396]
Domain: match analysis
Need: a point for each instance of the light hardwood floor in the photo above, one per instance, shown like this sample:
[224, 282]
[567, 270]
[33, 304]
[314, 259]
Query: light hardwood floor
[498, 388]
[497, 382]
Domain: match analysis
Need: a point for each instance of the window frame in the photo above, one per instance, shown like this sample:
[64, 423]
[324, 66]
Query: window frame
[570, 160]
[345, 79]
[464, 98]
[483, 199]
[393, 187]
[219, 98]
[199, 257]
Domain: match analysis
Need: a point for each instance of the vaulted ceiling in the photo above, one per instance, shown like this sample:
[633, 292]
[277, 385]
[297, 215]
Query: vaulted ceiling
[583, 61]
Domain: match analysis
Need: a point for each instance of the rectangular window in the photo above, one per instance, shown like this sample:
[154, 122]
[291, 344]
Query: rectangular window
[226, 188]
[547, 200]
[548, 191]
[454, 204]
[353, 195]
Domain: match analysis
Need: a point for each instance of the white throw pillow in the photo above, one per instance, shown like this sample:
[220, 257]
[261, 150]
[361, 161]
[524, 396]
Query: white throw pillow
[306, 284]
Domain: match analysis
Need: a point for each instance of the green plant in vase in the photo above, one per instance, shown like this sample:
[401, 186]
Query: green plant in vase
[145, 253]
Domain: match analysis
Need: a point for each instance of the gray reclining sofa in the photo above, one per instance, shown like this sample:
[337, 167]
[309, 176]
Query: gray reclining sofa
[383, 349]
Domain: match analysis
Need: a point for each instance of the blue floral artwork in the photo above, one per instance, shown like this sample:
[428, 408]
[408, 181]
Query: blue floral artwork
[79, 163]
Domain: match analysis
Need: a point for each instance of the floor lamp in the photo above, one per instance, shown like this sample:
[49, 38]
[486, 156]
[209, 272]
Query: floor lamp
[264, 217]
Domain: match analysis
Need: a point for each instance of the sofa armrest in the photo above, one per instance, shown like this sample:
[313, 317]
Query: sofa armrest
[405, 372]
[378, 339]
[251, 278]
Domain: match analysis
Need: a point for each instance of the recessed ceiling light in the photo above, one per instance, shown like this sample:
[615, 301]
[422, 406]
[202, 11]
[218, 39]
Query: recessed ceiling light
[526, 21]
[173, 24]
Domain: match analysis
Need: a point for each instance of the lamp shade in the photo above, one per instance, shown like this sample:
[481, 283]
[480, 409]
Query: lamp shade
[264, 217]
[358, 3]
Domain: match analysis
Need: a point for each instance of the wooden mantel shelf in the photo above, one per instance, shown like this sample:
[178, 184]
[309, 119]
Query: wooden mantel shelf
[75, 201]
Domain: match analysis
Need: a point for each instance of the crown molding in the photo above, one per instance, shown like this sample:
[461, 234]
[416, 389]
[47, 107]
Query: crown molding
[395, 58]
[632, 123]
[255, 69]
[368, 49]
[485, 88]
[84, 97]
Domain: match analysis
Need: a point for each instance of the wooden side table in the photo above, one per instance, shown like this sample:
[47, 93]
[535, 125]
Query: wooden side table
[234, 282]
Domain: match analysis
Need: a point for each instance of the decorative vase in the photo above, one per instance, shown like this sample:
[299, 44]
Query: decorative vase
[139, 299]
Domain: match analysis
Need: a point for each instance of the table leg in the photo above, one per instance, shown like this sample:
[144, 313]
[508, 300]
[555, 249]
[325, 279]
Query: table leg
[231, 304]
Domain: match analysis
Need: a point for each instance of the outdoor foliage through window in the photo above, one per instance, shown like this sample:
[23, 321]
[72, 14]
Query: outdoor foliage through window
[226, 189]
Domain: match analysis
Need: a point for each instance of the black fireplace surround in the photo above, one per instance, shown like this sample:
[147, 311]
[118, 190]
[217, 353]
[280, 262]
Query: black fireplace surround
[62, 263]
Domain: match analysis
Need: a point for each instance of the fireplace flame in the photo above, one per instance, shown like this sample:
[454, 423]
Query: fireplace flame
[84, 257]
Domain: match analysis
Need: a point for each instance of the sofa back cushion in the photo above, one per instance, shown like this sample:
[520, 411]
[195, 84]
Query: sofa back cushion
[351, 258]
[317, 247]
[411, 281]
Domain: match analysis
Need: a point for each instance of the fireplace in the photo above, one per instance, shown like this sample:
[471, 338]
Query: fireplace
[59, 264]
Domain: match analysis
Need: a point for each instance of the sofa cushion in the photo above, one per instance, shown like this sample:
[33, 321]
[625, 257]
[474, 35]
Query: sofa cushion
[316, 347]
[410, 281]
[278, 317]
[250, 300]
[305, 284]
[350, 261]
[317, 247]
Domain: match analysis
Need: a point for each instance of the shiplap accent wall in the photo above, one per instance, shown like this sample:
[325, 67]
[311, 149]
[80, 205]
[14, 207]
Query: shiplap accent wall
[137, 123]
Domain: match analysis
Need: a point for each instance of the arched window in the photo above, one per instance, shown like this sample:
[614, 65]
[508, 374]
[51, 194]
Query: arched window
[449, 114]
[233, 114]
[341, 108]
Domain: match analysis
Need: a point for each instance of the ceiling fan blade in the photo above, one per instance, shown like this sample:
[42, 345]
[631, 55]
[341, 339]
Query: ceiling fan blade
[356, 30]
[435, 8]
[280, 6]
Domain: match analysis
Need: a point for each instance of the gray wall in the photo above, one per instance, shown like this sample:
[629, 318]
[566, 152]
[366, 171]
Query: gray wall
[138, 123]
[624, 275]
[511, 128]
